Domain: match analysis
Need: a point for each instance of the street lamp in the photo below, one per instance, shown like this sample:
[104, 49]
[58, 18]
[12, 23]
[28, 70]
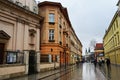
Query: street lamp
[65, 58]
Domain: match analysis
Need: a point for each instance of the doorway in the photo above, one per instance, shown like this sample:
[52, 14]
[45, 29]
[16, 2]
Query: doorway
[32, 62]
[1, 52]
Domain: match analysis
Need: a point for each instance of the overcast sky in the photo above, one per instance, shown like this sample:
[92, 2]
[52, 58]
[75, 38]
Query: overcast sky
[89, 18]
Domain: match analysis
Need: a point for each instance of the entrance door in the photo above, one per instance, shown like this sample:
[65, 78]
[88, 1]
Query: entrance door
[32, 62]
[1, 52]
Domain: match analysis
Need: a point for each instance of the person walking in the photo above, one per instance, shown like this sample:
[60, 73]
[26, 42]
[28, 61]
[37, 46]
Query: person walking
[108, 67]
[108, 63]
[95, 62]
[100, 63]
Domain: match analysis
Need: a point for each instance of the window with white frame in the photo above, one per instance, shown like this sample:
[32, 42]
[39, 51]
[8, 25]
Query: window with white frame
[51, 34]
[51, 17]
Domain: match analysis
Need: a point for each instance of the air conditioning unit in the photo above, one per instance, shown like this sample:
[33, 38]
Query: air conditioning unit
[26, 7]
[19, 4]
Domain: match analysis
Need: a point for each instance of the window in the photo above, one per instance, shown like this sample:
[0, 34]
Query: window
[60, 37]
[117, 23]
[60, 20]
[56, 58]
[51, 35]
[51, 18]
[50, 58]
[44, 58]
[118, 38]
[11, 57]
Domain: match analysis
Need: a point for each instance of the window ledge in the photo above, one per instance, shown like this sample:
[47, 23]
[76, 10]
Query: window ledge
[51, 40]
[52, 23]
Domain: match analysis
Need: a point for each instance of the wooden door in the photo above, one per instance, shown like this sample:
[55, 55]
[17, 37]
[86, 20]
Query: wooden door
[32, 62]
[1, 52]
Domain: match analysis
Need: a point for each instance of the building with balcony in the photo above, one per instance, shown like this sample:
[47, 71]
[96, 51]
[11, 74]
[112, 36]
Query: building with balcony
[59, 43]
[19, 40]
[111, 39]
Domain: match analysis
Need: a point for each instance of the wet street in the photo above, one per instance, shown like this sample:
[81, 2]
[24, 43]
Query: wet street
[111, 73]
[85, 71]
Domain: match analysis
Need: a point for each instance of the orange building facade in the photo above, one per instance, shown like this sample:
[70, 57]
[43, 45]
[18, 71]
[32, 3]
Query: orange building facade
[56, 35]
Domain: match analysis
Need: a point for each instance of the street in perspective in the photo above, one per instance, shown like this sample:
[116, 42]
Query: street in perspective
[82, 71]
[59, 40]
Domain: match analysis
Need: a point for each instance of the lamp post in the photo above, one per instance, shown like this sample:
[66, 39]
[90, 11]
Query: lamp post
[53, 59]
[65, 58]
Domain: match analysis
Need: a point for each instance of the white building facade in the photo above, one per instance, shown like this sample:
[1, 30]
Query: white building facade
[27, 4]
[19, 40]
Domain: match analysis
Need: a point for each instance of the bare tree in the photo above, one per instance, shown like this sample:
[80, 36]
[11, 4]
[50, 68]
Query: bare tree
[92, 44]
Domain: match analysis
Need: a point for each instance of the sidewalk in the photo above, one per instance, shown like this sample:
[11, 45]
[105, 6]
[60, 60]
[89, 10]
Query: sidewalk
[85, 71]
[112, 73]
[41, 75]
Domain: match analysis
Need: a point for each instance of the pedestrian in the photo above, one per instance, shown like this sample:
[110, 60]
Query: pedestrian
[100, 63]
[95, 62]
[103, 61]
[108, 63]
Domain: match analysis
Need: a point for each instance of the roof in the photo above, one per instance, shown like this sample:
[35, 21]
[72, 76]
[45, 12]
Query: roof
[118, 3]
[111, 23]
[99, 46]
[9, 3]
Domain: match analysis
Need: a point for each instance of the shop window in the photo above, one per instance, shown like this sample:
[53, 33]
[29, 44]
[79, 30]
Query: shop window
[11, 57]
[44, 58]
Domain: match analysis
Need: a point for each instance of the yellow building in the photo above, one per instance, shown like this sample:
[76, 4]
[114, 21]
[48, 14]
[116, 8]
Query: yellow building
[111, 40]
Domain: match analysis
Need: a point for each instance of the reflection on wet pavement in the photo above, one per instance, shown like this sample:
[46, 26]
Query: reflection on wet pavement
[86, 71]
[112, 72]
